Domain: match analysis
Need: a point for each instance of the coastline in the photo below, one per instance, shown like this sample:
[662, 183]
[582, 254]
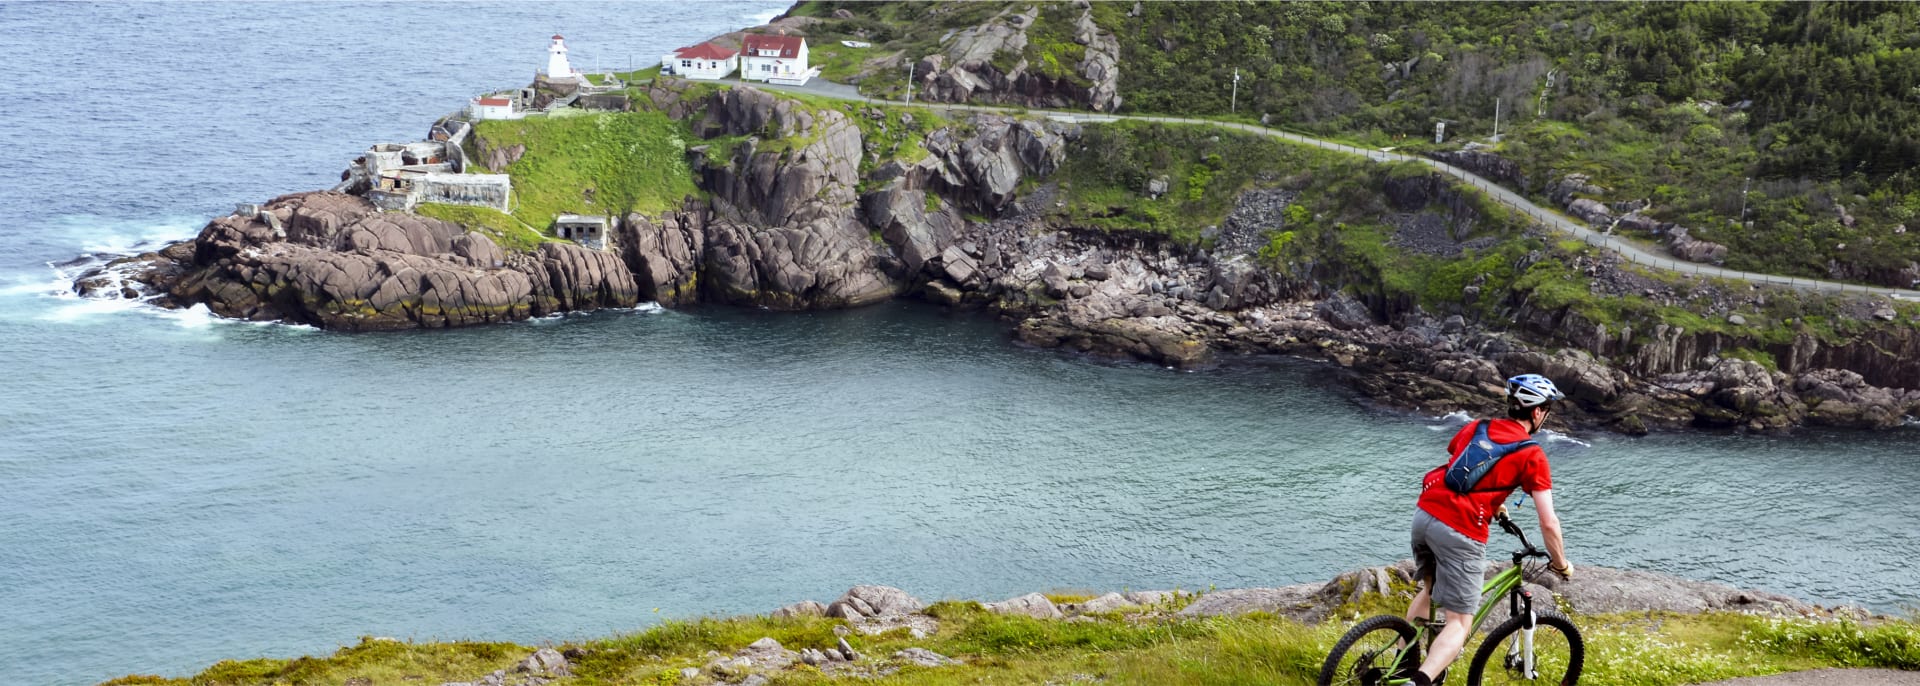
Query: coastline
[331, 260]
[874, 632]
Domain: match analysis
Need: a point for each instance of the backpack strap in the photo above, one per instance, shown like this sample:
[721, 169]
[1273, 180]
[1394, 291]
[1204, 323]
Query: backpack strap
[1501, 451]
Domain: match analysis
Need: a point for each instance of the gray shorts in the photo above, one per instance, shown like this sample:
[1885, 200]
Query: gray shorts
[1452, 564]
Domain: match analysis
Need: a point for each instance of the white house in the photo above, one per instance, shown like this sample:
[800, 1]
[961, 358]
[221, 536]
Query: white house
[491, 107]
[557, 66]
[703, 61]
[776, 58]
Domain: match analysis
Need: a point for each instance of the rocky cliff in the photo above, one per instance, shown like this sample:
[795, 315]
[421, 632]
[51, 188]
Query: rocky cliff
[989, 63]
[803, 210]
[335, 261]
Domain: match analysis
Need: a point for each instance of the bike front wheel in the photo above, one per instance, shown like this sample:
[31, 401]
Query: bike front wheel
[1504, 657]
[1369, 652]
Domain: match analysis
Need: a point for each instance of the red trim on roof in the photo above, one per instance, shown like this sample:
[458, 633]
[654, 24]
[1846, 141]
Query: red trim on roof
[493, 102]
[704, 51]
[789, 46]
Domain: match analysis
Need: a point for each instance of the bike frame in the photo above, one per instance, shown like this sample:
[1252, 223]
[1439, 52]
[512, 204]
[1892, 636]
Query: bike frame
[1505, 585]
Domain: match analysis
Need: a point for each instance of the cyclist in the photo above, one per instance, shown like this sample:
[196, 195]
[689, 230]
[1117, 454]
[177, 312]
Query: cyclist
[1450, 528]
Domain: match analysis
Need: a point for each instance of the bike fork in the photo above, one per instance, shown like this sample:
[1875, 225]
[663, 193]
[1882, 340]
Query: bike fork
[1521, 652]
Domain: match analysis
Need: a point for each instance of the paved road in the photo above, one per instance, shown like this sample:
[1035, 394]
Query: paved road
[1555, 220]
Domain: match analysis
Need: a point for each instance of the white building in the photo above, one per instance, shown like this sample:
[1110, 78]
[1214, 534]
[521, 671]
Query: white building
[557, 66]
[703, 61]
[492, 107]
[776, 58]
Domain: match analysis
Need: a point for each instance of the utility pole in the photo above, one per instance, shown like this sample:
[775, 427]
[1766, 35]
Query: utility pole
[1496, 120]
[910, 66]
[1233, 104]
[1543, 94]
[1743, 199]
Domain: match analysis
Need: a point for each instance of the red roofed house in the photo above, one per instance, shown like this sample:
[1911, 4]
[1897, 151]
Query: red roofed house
[703, 61]
[777, 58]
[492, 107]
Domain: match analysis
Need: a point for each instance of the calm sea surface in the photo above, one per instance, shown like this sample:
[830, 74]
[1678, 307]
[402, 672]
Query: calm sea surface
[175, 490]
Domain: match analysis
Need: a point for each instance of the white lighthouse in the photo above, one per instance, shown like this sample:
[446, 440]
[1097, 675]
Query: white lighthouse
[557, 67]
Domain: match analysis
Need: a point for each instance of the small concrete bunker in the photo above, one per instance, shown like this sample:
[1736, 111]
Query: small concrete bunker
[587, 230]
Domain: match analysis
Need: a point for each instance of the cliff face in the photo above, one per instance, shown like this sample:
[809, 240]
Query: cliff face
[988, 63]
[334, 261]
[791, 222]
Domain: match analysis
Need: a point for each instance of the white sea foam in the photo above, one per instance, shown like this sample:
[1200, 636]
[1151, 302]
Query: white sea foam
[108, 236]
[1454, 417]
[1552, 436]
[760, 18]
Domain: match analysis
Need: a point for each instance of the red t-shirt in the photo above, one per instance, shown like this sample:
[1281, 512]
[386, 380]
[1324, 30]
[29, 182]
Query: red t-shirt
[1471, 513]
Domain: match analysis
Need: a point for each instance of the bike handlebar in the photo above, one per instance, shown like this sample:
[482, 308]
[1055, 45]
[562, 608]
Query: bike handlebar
[1507, 525]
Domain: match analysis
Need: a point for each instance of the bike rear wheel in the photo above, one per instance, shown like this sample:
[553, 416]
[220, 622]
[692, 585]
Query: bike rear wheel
[1368, 652]
[1558, 652]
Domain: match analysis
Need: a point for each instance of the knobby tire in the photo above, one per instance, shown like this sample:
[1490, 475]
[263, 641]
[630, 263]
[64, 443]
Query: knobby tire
[1375, 637]
[1546, 623]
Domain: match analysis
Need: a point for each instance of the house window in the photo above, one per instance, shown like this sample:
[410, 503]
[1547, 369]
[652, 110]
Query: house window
[766, 67]
[686, 63]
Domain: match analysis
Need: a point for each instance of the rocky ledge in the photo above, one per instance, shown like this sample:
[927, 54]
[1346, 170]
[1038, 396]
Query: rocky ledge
[872, 610]
[828, 219]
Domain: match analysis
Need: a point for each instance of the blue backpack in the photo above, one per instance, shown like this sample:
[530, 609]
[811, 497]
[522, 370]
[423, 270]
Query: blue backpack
[1478, 458]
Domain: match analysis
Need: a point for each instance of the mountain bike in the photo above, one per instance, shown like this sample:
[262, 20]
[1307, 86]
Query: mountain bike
[1530, 647]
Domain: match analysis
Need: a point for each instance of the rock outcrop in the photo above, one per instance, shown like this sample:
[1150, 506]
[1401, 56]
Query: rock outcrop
[987, 63]
[333, 260]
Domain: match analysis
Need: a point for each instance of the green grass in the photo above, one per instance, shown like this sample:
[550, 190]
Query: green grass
[595, 163]
[1134, 647]
[1105, 177]
[507, 232]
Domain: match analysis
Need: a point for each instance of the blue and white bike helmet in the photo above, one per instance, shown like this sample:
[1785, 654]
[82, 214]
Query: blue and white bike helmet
[1532, 390]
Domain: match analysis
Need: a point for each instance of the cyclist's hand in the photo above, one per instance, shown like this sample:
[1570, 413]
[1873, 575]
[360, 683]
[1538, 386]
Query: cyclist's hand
[1565, 571]
[1500, 513]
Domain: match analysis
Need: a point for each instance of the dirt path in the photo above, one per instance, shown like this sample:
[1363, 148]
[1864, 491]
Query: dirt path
[1829, 677]
[1555, 220]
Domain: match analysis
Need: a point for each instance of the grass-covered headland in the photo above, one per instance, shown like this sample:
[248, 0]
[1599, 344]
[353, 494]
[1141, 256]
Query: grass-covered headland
[1143, 645]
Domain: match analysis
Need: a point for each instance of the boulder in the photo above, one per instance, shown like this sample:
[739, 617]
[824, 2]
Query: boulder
[545, 661]
[804, 608]
[1343, 312]
[924, 657]
[958, 265]
[1301, 602]
[1032, 605]
[874, 601]
[1591, 211]
[1692, 249]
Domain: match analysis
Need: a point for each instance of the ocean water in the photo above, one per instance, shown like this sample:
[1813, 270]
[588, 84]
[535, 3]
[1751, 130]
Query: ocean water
[180, 489]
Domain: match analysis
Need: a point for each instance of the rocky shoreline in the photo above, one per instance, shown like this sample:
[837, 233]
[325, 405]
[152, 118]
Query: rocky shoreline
[967, 226]
[875, 610]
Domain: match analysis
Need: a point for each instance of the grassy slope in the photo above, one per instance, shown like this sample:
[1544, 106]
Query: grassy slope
[507, 232]
[1128, 648]
[1831, 119]
[595, 163]
[1340, 218]
[1641, 97]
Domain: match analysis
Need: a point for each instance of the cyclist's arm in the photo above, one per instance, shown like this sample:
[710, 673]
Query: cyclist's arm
[1550, 527]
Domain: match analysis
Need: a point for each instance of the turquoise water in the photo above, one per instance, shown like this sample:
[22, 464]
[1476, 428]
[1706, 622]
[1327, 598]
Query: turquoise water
[181, 490]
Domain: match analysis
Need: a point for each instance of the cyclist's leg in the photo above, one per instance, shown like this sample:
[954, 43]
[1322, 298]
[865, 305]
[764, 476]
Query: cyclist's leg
[1423, 566]
[1457, 575]
[1448, 643]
